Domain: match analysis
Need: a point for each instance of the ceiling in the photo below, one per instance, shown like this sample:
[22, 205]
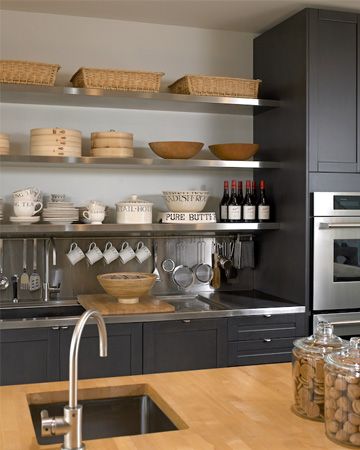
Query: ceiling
[233, 15]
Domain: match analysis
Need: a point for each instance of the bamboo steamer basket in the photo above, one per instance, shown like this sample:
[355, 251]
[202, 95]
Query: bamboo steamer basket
[42, 150]
[111, 143]
[4, 136]
[111, 134]
[113, 152]
[55, 131]
[55, 140]
[4, 143]
[4, 150]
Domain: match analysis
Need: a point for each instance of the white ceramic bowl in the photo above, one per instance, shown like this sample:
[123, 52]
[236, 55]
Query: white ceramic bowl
[185, 201]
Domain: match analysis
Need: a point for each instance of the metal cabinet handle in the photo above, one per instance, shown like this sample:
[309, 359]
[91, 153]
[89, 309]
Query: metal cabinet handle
[325, 225]
[346, 322]
[55, 328]
[267, 340]
[64, 328]
[267, 315]
[186, 321]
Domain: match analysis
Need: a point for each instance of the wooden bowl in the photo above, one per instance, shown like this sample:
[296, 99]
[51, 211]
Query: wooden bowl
[234, 152]
[176, 149]
[127, 287]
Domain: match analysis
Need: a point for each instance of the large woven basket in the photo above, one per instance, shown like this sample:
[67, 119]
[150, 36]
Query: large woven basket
[121, 80]
[219, 86]
[28, 72]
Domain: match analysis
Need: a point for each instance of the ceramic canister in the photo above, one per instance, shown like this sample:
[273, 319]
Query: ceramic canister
[134, 210]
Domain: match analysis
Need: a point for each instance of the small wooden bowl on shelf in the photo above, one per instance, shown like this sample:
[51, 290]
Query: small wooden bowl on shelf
[127, 287]
[176, 149]
[234, 152]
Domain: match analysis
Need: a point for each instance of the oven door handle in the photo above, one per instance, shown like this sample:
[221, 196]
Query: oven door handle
[345, 322]
[325, 225]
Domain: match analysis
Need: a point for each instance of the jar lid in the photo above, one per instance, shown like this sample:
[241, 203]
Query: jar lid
[322, 341]
[134, 199]
[348, 358]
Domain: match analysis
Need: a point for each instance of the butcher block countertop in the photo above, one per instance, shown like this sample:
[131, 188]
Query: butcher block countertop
[245, 408]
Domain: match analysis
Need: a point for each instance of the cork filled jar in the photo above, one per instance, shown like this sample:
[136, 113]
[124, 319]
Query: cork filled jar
[342, 395]
[308, 370]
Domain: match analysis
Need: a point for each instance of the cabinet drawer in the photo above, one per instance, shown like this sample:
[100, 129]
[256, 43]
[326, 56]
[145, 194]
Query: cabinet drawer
[260, 327]
[260, 350]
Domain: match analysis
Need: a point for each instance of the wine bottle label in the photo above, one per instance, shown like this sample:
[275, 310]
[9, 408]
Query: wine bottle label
[224, 212]
[234, 212]
[264, 212]
[249, 212]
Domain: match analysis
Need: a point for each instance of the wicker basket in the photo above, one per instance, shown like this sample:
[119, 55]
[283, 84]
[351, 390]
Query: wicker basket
[28, 72]
[119, 80]
[219, 86]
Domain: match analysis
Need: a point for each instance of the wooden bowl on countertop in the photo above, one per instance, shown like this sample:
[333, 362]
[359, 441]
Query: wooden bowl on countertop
[234, 152]
[176, 149]
[127, 287]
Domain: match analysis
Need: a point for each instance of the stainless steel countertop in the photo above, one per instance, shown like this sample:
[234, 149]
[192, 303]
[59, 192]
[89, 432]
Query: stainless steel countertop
[230, 304]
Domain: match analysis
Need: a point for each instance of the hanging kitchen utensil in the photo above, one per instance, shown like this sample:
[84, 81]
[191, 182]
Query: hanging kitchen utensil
[4, 280]
[155, 271]
[203, 272]
[182, 275]
[14, 282]
[35, 281]
[168, 265]
[216, 279]
[24, 279]
[237, 253]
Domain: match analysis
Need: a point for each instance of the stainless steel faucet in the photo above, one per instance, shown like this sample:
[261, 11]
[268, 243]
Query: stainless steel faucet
[70, 425]
[47, 288]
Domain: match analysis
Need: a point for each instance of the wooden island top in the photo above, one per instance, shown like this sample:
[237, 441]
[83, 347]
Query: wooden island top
[232, 408]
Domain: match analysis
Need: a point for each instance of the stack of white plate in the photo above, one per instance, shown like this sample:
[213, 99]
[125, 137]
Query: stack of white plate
[60, 213]
[4, 144]
[55, 142]
[1, 209]
[112, 144]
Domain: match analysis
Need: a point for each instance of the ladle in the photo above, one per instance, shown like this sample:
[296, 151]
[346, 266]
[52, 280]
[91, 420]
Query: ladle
[4, 281]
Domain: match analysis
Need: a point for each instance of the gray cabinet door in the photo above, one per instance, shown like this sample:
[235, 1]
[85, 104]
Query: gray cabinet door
[184, 345]
[124, 351]
[332, 114]
[29, 355]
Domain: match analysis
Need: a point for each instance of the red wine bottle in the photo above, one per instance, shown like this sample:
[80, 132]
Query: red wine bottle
[263, 206]
[240, 195]
[234, 209]
[224, 202]
[249, 206]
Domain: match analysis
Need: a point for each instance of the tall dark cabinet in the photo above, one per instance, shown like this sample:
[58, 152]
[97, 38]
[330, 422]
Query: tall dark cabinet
[310, 62]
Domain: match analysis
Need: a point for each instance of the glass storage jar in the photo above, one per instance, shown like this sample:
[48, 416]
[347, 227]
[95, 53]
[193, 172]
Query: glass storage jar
[308, 370]
[342, 395]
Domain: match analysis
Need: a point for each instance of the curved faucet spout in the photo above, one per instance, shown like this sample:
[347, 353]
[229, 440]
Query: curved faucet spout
[74, 350]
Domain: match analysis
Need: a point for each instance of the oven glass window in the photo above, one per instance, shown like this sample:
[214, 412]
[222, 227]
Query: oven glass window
[346, 260]
[347, 202]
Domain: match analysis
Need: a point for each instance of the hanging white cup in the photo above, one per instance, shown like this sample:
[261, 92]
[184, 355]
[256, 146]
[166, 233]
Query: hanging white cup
[126, 253]
[110, 253]
[75, 254]
[94, 254]
[142, 253]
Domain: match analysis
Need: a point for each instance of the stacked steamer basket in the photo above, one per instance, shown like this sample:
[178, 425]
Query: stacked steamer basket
[4, 144]
[112, 144]
[1, 209]
[55, 142]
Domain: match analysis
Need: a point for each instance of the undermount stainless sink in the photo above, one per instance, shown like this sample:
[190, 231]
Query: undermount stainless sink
[109, 417]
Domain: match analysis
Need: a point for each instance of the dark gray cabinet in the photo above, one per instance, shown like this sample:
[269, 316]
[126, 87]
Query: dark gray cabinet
[184, 345]
[263, 339]
[29, 355]
[333, 104]
[124, 351]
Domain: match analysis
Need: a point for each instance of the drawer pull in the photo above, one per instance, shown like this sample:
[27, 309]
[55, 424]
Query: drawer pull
[186, 321]
[55, 328]
[267, 315]
[64, 328]
[267, 340]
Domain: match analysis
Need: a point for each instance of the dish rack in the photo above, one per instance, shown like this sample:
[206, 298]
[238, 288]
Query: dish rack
[217, 86]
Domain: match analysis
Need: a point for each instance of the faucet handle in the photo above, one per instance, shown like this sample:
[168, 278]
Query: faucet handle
[46, 423]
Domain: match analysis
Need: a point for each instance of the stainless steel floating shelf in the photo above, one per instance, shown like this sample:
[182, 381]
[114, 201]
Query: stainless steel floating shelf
[153, 229]
[102, 98]
[132, 163]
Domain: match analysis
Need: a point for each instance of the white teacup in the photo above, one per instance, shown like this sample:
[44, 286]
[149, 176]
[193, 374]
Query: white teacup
[142, 253]
[94, 254]
[126, 253]
[27, 208]
[75, 254]
[27, 193]
[95, 217]
[110, 253]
